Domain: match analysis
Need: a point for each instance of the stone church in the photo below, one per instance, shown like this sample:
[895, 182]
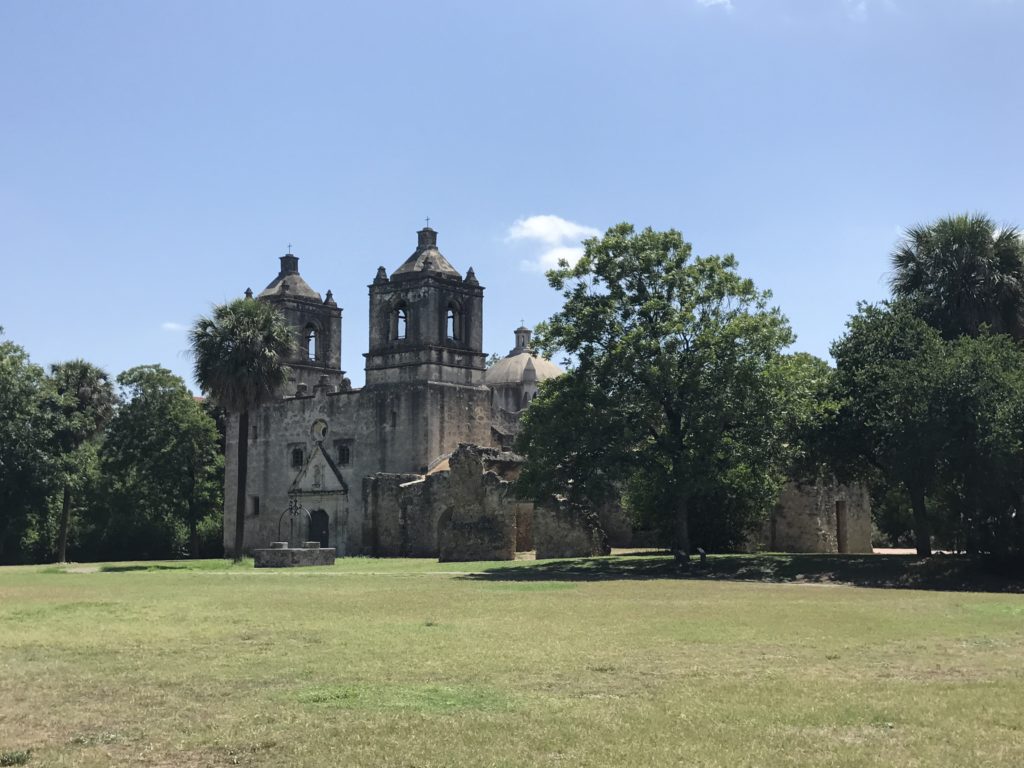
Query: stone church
[416, 462]
[427, 391]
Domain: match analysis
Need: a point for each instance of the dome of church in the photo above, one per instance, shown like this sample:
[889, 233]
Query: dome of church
[289, 282]
[522, 364]
[427, 258]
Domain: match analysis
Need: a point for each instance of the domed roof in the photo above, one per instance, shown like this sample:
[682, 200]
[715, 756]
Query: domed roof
[522, 364]
[519, 368]
[289, 282]
[427, 258]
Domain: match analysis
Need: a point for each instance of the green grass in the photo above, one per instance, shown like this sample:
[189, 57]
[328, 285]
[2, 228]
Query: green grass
[753, 661]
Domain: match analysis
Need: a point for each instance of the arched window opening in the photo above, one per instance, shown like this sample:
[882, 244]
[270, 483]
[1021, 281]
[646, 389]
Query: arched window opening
[311, 342]
[451, 330]
[401, 323]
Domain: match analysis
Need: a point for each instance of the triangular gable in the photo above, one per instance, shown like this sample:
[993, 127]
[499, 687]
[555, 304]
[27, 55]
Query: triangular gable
[319, 475]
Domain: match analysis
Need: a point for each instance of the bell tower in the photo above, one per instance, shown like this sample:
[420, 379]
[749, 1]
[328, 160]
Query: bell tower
[317, 324]
[426, 321]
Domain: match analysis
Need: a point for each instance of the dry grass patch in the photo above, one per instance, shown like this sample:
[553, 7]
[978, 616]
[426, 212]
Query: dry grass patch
[415, 663]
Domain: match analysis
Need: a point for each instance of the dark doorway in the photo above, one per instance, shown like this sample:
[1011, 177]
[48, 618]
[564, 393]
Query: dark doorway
[842, 537]
[319, 527]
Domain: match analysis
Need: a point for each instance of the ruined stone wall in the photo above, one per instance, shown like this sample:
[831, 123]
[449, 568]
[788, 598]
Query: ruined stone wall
[561, 529]
[459, 514]
[822, 518]
[479, 522]
[403, 512]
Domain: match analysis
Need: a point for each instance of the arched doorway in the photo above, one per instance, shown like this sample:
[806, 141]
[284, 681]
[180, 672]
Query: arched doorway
[319, 527]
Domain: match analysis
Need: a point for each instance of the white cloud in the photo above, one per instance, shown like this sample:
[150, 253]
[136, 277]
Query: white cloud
[560, 238]
[549, 259]
[549, 229]
[725, 4]
[169, 326]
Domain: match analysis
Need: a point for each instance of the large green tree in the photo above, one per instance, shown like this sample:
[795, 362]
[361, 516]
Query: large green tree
[891, 381]
[941, 422]
[673, 392]
[578, 459]
[81, 401]
[25, 448]
[983, 471]
[961, 272]
[162, 450]
[239, 353]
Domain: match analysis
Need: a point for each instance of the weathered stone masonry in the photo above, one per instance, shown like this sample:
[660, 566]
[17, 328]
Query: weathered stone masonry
[426, 393]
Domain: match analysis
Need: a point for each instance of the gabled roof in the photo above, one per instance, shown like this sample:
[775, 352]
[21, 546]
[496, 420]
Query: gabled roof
[328, 480]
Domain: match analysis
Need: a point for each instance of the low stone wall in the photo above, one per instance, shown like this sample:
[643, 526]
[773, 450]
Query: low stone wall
[280, 555]
[825, 517]
[561, 529]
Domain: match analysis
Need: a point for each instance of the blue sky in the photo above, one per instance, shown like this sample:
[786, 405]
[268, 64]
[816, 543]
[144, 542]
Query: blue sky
[157, 157]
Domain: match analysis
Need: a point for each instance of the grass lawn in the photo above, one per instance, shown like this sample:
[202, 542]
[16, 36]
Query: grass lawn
[765, 661]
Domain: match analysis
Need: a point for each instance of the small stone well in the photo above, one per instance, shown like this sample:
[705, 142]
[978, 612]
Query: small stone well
[280, 555]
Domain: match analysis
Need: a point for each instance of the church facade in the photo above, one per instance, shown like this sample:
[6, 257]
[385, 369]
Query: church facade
[427, 391]
[379, 470]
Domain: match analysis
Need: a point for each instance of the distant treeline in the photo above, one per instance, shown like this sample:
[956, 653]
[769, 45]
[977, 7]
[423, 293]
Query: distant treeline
[98, 469]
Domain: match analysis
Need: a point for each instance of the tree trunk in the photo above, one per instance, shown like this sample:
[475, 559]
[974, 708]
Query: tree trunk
[681, 534]
[243, 471]
[193, 533]
[922, 530]
[65, 523]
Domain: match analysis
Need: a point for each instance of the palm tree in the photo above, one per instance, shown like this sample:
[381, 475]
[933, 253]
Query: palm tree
[83, 401]
[961, 272]
[239, 356]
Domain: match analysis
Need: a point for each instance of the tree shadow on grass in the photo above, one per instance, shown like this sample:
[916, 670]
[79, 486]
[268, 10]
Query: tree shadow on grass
[149, 567]
[942, 572]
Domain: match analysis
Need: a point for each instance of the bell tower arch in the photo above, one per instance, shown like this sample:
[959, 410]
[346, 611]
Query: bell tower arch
[426, 321]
